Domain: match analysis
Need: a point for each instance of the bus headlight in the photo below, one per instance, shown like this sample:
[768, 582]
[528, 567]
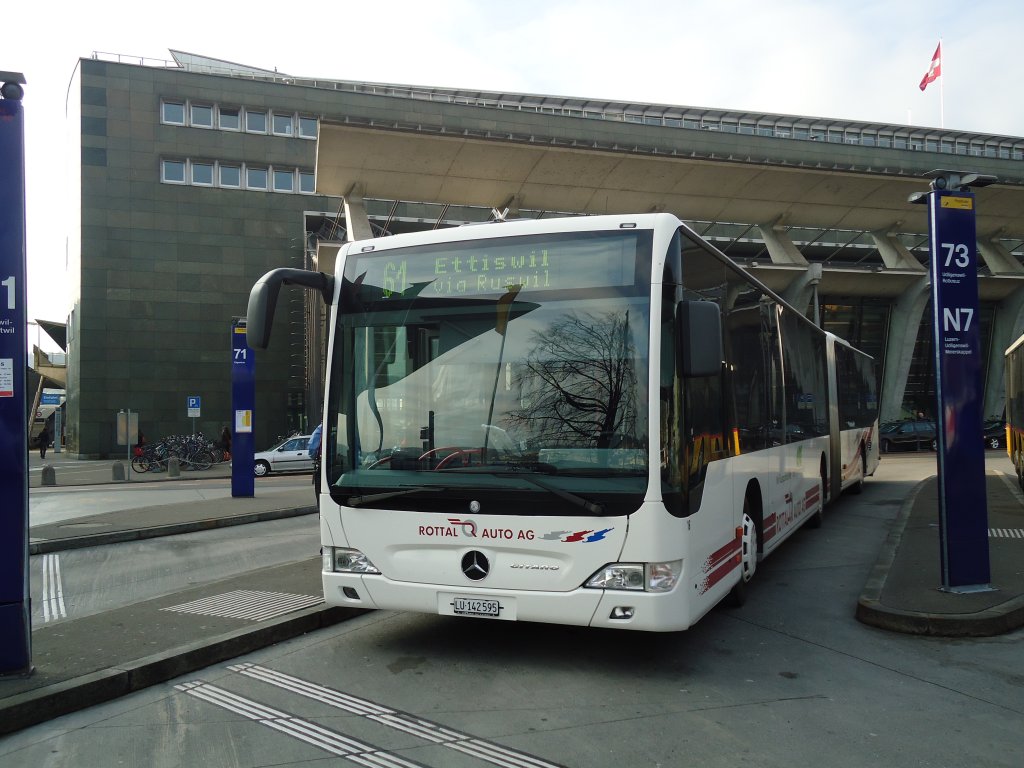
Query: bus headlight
[341, 560]
[638, 577]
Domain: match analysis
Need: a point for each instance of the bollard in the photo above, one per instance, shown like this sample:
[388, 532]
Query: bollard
[173, 467]
[49, 476]
[118, 469]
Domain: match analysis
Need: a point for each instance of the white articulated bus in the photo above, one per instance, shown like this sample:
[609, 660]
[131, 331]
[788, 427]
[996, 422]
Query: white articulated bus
[595, 420]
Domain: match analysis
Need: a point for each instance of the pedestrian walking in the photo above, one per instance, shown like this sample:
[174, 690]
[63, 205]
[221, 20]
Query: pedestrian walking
[225, 442]
[314, 454]
[44, 441]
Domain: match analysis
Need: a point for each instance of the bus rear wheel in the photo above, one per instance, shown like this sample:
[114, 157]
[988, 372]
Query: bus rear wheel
[815, 520]
[748, 558]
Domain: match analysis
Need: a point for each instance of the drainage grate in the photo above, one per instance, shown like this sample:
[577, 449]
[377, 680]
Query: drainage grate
[248, 604]
[1006, 533]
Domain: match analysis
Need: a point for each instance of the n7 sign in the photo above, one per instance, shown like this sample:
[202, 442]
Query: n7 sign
[957, 319]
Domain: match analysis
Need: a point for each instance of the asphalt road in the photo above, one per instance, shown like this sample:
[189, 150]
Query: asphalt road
[790, 679]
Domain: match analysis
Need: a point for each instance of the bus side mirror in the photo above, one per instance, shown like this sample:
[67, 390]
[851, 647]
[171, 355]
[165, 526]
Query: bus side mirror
[700, 338]
[259, 316]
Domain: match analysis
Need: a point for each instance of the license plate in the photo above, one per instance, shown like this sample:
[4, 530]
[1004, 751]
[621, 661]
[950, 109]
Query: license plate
[472, 606]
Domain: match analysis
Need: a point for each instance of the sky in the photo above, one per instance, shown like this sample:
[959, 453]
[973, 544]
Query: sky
[859, 60]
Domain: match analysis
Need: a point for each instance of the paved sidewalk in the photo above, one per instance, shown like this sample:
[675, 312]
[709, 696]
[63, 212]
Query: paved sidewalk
[168, 519]
[82, 662]
[903, 592]
[87, 661]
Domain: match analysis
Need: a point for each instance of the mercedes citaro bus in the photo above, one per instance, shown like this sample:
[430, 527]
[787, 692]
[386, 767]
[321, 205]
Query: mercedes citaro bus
[595, 420]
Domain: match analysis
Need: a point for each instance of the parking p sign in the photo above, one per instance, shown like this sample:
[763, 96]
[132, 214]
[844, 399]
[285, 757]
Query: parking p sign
[193, 406]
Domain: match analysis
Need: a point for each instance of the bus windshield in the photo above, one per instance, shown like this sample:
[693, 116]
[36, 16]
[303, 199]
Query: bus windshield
[499, 370]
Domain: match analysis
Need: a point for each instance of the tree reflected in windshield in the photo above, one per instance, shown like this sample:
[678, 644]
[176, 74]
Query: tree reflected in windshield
[578, 385]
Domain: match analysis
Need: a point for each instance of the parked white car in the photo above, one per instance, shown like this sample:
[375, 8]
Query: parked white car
[292, 455]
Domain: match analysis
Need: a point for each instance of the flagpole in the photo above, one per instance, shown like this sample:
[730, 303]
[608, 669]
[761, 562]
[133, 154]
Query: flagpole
[942, 88]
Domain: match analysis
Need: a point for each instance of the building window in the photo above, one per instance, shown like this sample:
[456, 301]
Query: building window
[284, 181]
[173, 171]
[202, 174]
[230, 119]
[173, 112]
[255, 122]
[201, 116]
[234, 175]
[307, 127]
[283, 125]
[230, 176]
[256, 178]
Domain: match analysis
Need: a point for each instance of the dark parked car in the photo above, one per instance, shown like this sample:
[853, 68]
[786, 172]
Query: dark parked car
[907, 436]
[995, 433]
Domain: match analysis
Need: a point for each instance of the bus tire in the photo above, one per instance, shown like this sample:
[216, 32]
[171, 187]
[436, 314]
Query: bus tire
[815, 520]
[748, 558]
[858, 487]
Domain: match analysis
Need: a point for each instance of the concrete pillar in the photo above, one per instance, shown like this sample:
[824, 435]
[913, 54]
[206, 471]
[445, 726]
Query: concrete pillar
[904, 322]
[509, 209]
[998, 260]
[173, 467]
[118, 471]
[49, 476]
[801, 292]
[894, 254]
[1007, 326]
[356, 220]
[780, 247]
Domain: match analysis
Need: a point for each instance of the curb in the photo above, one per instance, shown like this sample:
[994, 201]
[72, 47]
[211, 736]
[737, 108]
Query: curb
[34, 707]
[997, 620]
[45, 546]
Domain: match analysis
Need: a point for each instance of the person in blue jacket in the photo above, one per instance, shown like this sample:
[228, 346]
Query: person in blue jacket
[314, 453]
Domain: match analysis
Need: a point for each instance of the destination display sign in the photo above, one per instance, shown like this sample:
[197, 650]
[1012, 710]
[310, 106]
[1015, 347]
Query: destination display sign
[491, 267]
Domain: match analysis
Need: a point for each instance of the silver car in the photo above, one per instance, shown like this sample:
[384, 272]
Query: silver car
[291, 455]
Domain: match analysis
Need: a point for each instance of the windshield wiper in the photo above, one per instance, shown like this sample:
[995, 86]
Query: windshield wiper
[591, 507]
[505, 466]
[356, 501]
[515, 468]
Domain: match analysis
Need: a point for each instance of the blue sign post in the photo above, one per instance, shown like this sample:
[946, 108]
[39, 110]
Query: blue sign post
[963, 508]
[15, 601]
[243, 405]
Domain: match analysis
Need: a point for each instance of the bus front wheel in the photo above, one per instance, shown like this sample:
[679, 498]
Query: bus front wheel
[748, 558]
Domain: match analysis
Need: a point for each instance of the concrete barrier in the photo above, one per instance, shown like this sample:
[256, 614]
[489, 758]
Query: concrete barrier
[118, 471]
[173, 467]
[49, 476]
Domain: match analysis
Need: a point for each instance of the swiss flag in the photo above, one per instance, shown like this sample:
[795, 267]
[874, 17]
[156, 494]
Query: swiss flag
[934, 70]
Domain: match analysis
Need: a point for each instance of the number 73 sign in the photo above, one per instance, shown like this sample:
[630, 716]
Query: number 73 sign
[958, 387]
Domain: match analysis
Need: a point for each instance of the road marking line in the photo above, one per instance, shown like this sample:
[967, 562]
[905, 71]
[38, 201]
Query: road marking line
[248, 604]
[336, 743]
[53, 589]
[410, 724]
[1006, 533]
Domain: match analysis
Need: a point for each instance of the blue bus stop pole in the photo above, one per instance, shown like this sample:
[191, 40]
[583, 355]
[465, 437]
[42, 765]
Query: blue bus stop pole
[243, 406]
[15, 600]
[963, 508]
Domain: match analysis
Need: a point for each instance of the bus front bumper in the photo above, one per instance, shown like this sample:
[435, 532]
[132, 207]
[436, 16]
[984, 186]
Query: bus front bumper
[619, 609]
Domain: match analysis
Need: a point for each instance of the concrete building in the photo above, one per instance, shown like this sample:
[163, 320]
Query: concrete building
[198, 175]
